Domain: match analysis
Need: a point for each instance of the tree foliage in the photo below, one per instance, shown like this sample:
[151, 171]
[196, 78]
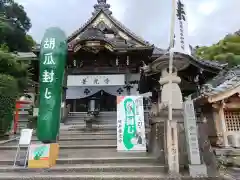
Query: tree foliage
[14, 74]
[11, 65]
[8, 95]
[14, 78]
[14, 25]
[226, 50]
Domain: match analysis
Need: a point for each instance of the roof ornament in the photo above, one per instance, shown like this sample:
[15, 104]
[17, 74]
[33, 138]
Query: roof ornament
[102, 5]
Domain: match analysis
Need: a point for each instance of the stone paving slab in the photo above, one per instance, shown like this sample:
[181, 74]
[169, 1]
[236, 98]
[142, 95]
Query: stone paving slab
[233, 172]
[80, 176]
[83, 168]
[100, 176]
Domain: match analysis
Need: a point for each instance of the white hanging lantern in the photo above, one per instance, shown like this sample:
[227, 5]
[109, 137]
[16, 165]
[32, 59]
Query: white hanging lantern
[117, 61]
[74, 63]
[127, 62]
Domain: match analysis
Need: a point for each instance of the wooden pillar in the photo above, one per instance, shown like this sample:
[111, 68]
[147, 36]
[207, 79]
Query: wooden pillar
[74, 105]
[217, 125]
[223, 125]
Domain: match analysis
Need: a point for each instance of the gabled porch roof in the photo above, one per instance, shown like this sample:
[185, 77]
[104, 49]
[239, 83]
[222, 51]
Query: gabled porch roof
[224, 85]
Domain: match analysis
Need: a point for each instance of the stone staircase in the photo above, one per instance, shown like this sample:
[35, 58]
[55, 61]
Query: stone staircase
[86, 154]
[22, 122]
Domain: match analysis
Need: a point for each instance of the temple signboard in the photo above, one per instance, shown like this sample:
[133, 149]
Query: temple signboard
[190, 124]
[130, 124]
[96, 80]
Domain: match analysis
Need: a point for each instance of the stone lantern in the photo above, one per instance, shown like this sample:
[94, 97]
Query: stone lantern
[167, 142]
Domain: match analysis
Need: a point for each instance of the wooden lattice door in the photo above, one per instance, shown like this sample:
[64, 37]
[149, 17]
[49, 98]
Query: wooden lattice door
[232, 120]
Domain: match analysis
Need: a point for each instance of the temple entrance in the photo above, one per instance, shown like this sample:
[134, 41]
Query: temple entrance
[107, 102]
[104, 101]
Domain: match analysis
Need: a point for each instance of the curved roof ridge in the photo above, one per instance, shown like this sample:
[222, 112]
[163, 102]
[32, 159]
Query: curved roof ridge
[103, 7]
[75, 33]
[128, 31]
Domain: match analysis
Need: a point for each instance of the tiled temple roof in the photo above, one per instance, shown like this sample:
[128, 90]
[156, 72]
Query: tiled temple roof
[210, 63]
[102, 6]
[90, 33]
[25, 55]
[158, 51]
[225, 80]
[96, 34]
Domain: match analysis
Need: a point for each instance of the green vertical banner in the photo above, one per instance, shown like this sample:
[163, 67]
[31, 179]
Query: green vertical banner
[52, 64]
[130, 124]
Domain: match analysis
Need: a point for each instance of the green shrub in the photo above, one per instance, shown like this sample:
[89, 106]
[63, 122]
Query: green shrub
[8, 96]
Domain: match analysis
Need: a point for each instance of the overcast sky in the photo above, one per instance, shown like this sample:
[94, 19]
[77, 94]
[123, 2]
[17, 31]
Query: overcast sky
[209, 20]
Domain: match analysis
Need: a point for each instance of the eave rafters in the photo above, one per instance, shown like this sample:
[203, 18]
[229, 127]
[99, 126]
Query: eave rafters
[223, 95]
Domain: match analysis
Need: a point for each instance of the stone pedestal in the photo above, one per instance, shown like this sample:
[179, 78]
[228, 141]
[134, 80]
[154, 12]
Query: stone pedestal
[197, 170]
[158, 140]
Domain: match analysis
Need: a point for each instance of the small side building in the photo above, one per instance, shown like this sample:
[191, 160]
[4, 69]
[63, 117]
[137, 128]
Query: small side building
[219, 104]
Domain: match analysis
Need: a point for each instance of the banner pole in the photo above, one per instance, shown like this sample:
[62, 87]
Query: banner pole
[172, 141]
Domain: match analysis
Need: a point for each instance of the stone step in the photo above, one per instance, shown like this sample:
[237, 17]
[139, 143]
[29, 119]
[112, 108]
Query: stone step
[80, 122]
[76, 141]
[111, 157]
[70, 147]
[102, 113]
[111, 117]
[85, 136]
[75, 118]
[22, 125]
[107, 120]
[106, 135]
[94, 130]
[81, 153]
[94, 127]
[70, 122]
[23, 120]
[85, 168]
[80, 134]
[100, 117]
[86, 176]
[77, 113]
[75, 137]
[104, 159]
